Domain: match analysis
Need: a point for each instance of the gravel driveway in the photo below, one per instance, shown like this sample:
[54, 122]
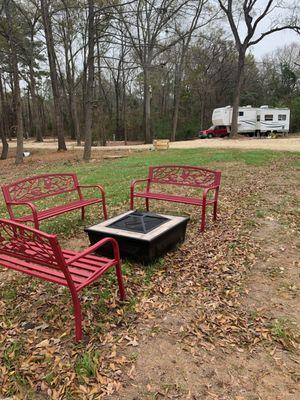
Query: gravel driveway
[283, 144]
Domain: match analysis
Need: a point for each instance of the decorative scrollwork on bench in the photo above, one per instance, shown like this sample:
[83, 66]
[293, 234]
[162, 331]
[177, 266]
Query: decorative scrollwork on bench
[177, 175]
[40, 187]
[19, 242]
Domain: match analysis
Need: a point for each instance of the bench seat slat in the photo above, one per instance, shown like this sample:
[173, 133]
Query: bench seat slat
[88, 259]
[32, 269]
[86, 264]
[173, 198]
[27, 268]
[61, 209]
[79, 275]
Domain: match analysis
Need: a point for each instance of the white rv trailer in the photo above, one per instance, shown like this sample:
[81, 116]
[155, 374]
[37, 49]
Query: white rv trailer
[263, 120]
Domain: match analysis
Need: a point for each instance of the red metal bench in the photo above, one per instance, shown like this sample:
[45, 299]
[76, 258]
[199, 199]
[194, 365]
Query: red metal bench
[39, 254]
[185, 176]
[25, 192]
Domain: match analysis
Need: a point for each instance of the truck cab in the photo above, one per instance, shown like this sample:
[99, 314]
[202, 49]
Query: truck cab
[213, 131]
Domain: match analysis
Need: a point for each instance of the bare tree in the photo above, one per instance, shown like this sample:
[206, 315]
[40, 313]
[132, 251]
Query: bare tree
[185, 35]
[47, 23]
[120, 67]
[148, 27]
[30, 58]
[252, 15]
[90, 82]
[3, 123]
[67, 28]
[13, 60]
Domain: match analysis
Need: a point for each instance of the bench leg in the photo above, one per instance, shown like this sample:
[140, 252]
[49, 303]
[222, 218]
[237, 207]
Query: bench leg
[203, 216]
[147, 204]
[215, 211]
[131, 202]
[120, 281]
[104, 208]
[215, 204]
[77, 315]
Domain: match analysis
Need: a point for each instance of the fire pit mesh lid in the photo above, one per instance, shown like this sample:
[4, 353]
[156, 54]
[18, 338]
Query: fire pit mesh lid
[139, 222]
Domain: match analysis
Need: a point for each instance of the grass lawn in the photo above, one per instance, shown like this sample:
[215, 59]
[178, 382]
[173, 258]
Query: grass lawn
[226, 297]
[115, 175]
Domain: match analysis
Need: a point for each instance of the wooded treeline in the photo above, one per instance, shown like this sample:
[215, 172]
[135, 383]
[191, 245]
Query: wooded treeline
[101, 70]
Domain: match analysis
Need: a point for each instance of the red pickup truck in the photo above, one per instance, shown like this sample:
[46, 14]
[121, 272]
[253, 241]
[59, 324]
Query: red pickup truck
[214, 131]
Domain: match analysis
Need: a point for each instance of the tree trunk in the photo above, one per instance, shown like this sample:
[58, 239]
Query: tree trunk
[18, 108]
[175, 115]
[32, 87]
[147, 108]
[4, 152]
[118, 129]
[102, 98]
[29, 125]
[237, 93]
[41, 107]
[35, 112]
[124, 109]
[177, 92]
[178, 83]
[90, 83]
[73, 106]
[75, 119]
[163, 106]
[3, 125]
[71, 91]
[58, 122]
[202, 112]
[16, 87]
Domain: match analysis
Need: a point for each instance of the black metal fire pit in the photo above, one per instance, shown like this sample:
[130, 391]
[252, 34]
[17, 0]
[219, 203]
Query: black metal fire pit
[139, 222]
[142, 236]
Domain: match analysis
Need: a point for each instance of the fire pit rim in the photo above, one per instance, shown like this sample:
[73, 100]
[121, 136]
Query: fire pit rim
[154, 233]
[142, 216]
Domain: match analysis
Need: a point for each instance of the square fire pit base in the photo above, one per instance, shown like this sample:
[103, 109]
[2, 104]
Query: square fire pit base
[141, 236]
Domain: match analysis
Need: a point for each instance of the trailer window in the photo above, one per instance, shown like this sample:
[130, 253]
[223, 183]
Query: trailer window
[269, 117]
[241, 113]
[281, 117]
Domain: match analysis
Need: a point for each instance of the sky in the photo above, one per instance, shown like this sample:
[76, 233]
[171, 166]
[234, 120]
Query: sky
[274, 41]
[278, 16]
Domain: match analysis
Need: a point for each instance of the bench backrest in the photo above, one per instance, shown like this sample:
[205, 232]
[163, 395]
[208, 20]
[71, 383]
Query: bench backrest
[30, 245]
[182, 175]
[40, 186]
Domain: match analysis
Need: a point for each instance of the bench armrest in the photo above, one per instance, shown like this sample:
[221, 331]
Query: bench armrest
[94, 247]
[133, 183]
[30, 205]
[214, 187]
[101, 189]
